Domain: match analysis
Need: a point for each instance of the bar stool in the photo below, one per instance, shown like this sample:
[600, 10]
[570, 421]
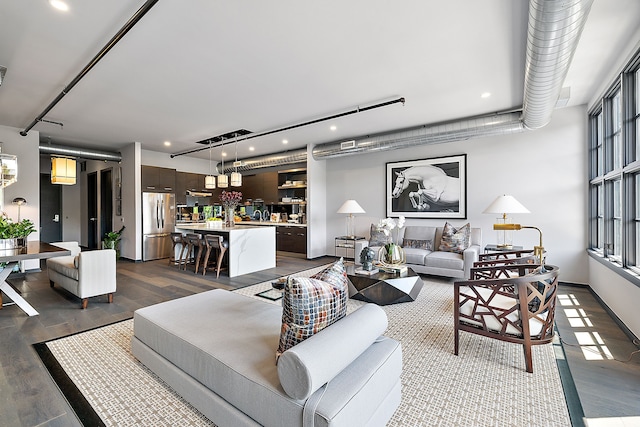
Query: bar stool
[177, 239]
[214, 242]
[194, 241]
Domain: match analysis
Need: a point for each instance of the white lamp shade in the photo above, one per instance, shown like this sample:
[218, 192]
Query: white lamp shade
[350, 207]
[63, 171]
[210, 182]
[223, 181]
[505, 204]
[236, 179]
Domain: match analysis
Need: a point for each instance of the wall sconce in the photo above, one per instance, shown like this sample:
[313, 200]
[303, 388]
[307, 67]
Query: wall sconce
[63, 171]
[537, 250]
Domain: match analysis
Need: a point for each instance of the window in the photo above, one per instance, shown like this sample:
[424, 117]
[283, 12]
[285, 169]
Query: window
[614, 171]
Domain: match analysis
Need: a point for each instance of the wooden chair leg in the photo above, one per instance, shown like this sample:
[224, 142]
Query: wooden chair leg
[198, 258]
[205, 263]
[222, 251]
[110, 298]
[528, 359]
[0, 300]
[456, 340]
[85, 301]
[51, 283]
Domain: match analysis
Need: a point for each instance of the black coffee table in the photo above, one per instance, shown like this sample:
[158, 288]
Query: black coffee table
[384, 288]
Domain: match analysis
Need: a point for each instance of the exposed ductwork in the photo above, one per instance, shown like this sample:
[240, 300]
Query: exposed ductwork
[553, 33]
[81, 153]
[277, 159]
[497, 124]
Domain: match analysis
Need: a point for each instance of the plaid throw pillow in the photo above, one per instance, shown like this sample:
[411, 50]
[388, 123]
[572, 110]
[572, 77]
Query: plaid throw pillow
[455, 239]
[310, 304]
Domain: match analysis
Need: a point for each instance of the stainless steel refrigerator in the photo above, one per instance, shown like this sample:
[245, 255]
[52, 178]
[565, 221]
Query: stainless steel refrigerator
[158, 222]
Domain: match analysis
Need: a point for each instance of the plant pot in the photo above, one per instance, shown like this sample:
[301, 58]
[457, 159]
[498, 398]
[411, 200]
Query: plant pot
[13, 243]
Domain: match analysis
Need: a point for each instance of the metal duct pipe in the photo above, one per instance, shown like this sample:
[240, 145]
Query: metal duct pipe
[277, 159]
[82, 153]
[554, 31]
[497, 124]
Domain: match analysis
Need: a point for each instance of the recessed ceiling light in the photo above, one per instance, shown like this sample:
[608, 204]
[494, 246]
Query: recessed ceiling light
[333, 128]
[284, 141]
[485, 95]
[224, 154]
[252, 148]
[167, 143]
[59, 4]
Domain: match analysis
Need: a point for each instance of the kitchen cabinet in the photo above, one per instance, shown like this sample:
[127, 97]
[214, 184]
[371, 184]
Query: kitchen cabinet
[291, 239]
[188, 181]
[158, 180]
[269, 187]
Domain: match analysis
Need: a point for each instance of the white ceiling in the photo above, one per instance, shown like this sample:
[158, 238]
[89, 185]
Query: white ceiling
[194, 69]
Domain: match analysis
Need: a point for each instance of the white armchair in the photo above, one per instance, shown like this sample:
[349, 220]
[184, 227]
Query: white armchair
[84, 274]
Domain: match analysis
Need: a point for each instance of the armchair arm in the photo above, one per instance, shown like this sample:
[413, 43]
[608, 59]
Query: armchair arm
[96, 272]
[469, 257]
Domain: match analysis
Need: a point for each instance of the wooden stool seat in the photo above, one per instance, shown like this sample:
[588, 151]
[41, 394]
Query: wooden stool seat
[214, 243]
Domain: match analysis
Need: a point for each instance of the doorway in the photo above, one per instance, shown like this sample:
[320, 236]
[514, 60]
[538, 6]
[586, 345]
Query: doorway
[92, 210]
[50, 210]
[106, 202]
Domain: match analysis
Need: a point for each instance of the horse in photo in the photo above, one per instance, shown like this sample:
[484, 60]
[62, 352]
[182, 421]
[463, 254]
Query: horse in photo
[434, 186]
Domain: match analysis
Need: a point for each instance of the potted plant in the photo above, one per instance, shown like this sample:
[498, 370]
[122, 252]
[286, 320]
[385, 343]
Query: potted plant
[112, 241]
[14, 234]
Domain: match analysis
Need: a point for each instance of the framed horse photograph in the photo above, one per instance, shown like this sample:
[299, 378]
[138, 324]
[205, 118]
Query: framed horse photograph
[428, 188]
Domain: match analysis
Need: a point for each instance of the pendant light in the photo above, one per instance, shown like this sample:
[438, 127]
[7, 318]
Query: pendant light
[236, 177]
[223, 179]
[210, 180]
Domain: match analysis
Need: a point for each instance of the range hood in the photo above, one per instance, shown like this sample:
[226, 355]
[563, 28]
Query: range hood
[198, 194]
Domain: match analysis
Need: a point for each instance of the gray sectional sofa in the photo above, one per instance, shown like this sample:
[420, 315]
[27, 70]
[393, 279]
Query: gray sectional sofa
[433, 261]
[217, 350]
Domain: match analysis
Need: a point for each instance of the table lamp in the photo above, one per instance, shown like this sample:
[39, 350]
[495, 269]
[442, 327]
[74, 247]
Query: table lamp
[19, 201]
[350, 207]
[505, 205]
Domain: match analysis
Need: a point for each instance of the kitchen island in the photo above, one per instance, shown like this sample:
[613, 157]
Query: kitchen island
[250, 248]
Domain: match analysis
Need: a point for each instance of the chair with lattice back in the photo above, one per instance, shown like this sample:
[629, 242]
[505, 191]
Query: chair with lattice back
[518, 309]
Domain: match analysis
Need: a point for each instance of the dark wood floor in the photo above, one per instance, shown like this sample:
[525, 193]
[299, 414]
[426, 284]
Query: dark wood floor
[28, 397]
[605, 373]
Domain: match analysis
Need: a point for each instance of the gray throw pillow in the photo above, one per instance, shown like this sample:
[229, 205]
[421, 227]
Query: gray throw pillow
[378, 237]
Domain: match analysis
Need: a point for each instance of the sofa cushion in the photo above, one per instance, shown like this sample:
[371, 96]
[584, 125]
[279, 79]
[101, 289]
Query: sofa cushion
[415, 256]
[306, 367]
[378, 237]
[310, 304]
[445, 260]
[64, 265]
[455, 239]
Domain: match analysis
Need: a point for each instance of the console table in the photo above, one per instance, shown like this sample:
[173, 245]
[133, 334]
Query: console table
[34, 250]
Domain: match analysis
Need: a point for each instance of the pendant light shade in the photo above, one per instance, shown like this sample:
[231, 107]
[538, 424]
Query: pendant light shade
[63, 171]
[223, 181]
[210, 180]
[236, 177]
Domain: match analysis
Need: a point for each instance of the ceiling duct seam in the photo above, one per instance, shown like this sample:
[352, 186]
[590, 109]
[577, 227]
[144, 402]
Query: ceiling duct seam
[497, 124]
[82, 153]
[270, 160]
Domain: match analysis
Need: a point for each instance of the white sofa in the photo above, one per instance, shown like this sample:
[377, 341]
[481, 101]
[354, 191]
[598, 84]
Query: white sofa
[217, 350]
[439, 263]
[84, 274]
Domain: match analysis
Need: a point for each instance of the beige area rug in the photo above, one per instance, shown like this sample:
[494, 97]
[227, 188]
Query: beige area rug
[486, 385]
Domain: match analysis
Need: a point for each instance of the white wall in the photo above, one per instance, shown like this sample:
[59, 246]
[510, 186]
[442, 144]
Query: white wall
[316, 201]
[180, 163]
[544, 169]
[131, 244]
[28, 183]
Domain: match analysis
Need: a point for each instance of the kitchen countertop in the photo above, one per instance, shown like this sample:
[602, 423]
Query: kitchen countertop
[244, 223]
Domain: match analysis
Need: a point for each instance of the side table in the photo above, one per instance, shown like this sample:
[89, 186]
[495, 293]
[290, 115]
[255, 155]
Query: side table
[350, 247]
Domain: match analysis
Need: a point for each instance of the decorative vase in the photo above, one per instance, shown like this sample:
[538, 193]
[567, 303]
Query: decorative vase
[229, 216]
[392, 254]
[8, 244]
